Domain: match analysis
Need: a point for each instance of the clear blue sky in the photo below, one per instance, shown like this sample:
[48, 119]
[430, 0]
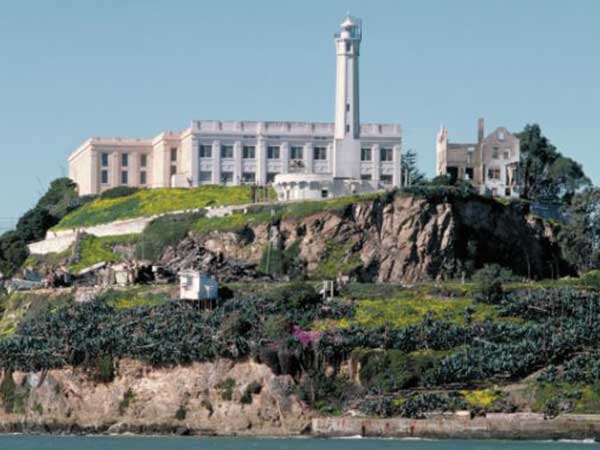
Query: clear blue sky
[71, 69]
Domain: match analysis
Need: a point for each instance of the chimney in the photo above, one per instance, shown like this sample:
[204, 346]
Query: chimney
[480, 130]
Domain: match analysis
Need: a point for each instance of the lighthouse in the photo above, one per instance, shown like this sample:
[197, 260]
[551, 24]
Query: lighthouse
[346, 146]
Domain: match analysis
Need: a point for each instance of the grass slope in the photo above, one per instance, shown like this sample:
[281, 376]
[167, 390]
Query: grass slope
[149, 202]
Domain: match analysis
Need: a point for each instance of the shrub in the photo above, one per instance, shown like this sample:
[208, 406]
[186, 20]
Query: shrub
[164, 232]
[119, 191]
[252, 389]
[226, 387]
[488, 283]
[105, 369]
[128, 397]
[591, 279]
[181, 413]
[295, 296]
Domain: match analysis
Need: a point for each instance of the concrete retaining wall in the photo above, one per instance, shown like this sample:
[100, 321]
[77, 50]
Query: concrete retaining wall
[497, 426]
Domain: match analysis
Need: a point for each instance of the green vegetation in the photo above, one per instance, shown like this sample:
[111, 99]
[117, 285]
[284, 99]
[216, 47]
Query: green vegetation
[226, 388]
[338, 259]
[128, 397]
[135, 297]
[148, 202]
[164, 232]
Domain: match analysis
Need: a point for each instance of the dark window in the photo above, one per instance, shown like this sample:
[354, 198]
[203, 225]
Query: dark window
[226, 177]
[143, 179]
[387, 154]
[452, 172]
[227, 151]
[173, 170]
[469, 173]
[495, 153]
[104, 177]
[386, 179]
[324, 193]
[271, 177]
[173, 154]
[320, 153]
[347, 128]
[143, 160]
[248, 152]
[205, 151]
[348, 46]
[366, 177]
[124, 177]
[272, 152]
[296, 153]
[347, 106]
[205, 177]
[248, 177]
[104, 159]
[124, 159]
[365, 154]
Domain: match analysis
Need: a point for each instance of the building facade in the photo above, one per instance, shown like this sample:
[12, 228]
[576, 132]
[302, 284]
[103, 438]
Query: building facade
[490, 164]
[366, 156]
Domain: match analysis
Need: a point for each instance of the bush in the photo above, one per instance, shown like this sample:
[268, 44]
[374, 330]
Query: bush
[181, 413]
[226, 388]
[296, 296]
[591, 279]
[252, 389]
[119, 191]
[105, 369]
[128, 397]
[488, 283]
[164, 232]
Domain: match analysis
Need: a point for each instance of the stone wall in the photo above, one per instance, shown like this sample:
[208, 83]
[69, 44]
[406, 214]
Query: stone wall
[461, 426]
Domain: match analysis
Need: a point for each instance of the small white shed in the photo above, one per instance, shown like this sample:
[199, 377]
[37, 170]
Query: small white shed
[195, 285]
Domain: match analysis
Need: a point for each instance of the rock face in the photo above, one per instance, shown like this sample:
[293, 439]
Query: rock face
[202, 398]
[403, 239]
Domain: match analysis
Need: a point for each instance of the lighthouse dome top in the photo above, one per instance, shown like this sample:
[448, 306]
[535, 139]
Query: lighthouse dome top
[351, 28]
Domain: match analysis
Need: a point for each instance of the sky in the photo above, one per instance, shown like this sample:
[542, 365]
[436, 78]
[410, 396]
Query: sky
[71, 69]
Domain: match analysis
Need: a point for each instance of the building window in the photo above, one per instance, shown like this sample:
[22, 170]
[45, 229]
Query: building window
[272, 152]
[206, 151]
[104, 159]
[320, 153]
[248, 152]
[348, 46]
[248, 177]
[143, 160]
[143, 179]
[205, 177]
[469, 173]
[104, 177]
[173, 154]
[271, 177]
[494, 173]
[124, 159]
[124, 177]
[386, 179]
[348, 107]
[227, 151]
[347, 128]
[296, 153]
[386, 155]
[495, 153]
[226, 178]
[365, 154]
[366, 177]
[173, 170]
[507, 154]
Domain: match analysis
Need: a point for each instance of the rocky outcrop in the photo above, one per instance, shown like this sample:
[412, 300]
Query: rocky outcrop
[220, 398]
[401, 239]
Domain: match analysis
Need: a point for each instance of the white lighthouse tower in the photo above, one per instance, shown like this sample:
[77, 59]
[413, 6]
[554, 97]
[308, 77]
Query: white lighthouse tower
[346, 151]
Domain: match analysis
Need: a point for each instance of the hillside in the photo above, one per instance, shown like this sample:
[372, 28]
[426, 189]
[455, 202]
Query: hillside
[150, 202]
[377, 350]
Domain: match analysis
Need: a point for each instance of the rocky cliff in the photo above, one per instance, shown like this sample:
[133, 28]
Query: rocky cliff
[393, 239]
[220, 398]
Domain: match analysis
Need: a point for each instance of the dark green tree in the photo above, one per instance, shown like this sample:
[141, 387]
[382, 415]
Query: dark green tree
[580, 236]
[411, 175]
[545, 173]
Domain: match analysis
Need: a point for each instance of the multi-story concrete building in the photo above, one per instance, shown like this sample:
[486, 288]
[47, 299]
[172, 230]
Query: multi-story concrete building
[232, 153]
[490, 164]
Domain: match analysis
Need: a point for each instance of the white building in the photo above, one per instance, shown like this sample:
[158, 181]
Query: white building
[194, 285]
[335, 156]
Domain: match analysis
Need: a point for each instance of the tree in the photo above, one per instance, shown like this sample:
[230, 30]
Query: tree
[545, 173]
[60, 199]
[580, 236]
[411, 175]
